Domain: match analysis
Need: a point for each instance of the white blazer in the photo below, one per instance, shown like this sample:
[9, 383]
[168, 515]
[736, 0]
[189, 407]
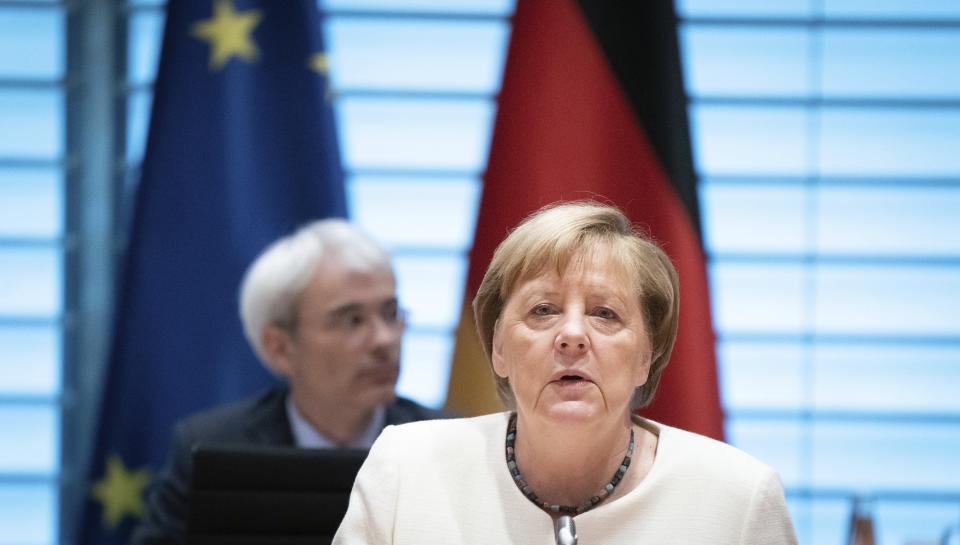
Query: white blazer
[446, 482]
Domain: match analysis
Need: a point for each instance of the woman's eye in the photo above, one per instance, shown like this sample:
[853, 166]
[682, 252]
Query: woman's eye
[604, 313]
[542, 310]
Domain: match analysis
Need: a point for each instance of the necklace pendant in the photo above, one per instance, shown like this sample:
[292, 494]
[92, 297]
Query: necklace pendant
[565, 531]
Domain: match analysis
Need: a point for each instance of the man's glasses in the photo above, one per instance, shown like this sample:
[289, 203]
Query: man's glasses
[357, 321]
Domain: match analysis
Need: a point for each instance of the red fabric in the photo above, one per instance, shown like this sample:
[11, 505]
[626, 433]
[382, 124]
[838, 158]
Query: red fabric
[565, 131]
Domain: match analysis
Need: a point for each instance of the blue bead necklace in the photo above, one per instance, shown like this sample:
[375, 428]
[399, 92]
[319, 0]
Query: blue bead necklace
[527, 490]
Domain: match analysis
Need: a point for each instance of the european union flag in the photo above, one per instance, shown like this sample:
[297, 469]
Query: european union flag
[241, 150]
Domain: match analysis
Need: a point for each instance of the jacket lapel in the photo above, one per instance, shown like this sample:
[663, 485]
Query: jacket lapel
[267, 421]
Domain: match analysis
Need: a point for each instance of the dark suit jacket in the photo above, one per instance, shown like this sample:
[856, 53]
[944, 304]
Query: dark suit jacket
[260, 420]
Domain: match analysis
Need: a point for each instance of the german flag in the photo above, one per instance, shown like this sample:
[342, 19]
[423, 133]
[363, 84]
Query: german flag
[593, 106]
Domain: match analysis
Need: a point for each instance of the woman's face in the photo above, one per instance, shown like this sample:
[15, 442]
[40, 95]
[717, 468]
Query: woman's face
[574, 346]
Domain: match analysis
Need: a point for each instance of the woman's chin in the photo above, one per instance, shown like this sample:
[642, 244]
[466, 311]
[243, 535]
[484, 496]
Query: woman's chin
[574, 412]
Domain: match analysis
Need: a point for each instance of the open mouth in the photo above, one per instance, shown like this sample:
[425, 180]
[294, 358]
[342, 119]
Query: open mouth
[572, 379]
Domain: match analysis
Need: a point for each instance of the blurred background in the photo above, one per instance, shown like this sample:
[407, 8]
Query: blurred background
[826, 139]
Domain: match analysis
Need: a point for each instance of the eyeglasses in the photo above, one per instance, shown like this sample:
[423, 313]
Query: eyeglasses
[356, 319]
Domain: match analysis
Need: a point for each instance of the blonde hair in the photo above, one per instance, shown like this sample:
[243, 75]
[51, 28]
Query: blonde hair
[550, 239]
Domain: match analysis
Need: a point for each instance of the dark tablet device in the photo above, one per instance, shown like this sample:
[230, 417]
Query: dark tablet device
[269, 495]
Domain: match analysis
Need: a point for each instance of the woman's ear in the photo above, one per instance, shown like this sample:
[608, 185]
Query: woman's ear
[496, 353]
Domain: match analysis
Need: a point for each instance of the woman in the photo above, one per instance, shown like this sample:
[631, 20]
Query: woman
[578, 315]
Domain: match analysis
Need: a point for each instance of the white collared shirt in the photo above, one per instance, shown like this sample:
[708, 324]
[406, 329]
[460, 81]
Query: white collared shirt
[306, 436]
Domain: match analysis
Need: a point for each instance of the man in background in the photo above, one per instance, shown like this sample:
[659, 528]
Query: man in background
[319, 308]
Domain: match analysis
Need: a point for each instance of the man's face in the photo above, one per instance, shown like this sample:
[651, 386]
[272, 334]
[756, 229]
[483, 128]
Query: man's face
[344, 350]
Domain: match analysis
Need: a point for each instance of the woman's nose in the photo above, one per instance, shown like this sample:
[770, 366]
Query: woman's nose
[572, 337]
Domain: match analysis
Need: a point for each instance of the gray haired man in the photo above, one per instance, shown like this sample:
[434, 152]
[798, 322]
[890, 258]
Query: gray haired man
[319, 307]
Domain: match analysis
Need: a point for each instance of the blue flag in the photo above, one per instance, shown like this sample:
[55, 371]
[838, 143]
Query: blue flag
[241, 151]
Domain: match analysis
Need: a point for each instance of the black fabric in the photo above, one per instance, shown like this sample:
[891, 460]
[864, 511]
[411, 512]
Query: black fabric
[259, 420]
[639, 39]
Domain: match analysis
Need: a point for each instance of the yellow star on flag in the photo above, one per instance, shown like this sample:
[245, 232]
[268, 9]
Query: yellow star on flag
[319, 63]
[229, 33]
[120, 491]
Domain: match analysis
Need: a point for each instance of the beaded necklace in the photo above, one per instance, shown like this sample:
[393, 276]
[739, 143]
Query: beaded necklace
[527, 490]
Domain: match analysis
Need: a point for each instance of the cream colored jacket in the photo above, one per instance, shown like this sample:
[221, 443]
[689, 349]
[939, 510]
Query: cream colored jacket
[446, 482]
